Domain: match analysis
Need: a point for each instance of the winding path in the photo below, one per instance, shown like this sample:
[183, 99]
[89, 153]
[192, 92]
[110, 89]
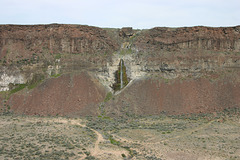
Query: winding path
[97, 151]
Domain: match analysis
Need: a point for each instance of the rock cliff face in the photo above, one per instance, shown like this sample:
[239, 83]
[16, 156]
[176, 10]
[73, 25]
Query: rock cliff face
[198, 38]
[69, 69]
[12, 76]
[25, 40]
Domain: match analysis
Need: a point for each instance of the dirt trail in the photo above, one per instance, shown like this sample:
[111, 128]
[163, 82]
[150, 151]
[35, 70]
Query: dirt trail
[97, 151]
[104, 153]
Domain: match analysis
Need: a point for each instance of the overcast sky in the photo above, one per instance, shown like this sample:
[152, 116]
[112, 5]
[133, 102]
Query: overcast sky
[121, 13]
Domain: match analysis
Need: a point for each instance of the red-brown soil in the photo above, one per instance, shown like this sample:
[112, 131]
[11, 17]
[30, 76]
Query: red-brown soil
[151, 96]
[70, 94]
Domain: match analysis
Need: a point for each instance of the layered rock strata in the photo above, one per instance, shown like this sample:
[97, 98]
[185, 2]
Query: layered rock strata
[69, 69]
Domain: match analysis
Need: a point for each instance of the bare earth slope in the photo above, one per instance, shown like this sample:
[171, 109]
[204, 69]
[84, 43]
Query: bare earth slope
[151, 97]
[70, 94]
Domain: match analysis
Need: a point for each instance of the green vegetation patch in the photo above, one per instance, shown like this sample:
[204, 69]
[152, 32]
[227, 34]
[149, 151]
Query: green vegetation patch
[37, 79]
[125, 79]
[108, 96]
[58, 56]
[56, 75]
[18, 88]
[126, 51]
[113, 141]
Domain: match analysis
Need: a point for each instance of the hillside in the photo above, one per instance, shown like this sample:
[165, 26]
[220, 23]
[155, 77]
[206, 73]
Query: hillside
[61, 69]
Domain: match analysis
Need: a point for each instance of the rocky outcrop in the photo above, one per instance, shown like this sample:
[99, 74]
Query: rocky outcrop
[126, 32]
[199, 38]
[21, 41]
[175, 70]
[10, 76]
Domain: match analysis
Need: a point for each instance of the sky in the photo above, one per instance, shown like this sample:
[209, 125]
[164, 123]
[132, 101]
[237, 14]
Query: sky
[139, 14]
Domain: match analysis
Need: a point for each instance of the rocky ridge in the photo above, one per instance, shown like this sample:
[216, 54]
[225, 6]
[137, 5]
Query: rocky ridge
[173, 58]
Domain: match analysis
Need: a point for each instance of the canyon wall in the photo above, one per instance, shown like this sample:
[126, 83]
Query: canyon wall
[70, 69]
[198, 38]
[24, 40]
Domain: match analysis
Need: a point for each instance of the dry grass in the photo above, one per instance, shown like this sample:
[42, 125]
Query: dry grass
[196, 140]
[42, 138]
[152, 137]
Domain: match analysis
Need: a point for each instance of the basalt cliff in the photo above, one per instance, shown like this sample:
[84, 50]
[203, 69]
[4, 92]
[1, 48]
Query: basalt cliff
[60, 69]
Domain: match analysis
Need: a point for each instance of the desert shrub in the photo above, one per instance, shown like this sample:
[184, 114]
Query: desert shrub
[58, 56]
[108, 96]
[19, 87]
[56, 75]
[90, 158]
[113, 141]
